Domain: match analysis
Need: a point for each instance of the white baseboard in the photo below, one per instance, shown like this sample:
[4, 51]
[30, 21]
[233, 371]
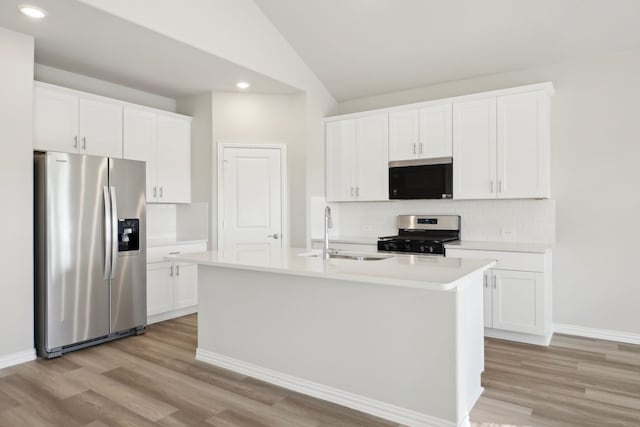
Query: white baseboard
[17, 358]
[331, 394]
[161, 317]
[603, 334]
[516, 336]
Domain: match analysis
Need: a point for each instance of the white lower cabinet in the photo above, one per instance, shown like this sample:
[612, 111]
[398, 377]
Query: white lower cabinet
[513, 301]
[517, 294]
[172, 290]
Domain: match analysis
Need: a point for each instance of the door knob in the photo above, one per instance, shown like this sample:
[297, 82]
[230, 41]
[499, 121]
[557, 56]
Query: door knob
[274, 236]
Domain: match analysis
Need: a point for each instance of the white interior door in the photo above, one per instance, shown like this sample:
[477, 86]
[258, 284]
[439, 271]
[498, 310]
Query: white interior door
[251, 198]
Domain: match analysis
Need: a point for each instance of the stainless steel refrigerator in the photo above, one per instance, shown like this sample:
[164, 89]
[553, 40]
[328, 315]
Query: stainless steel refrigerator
[90, 250]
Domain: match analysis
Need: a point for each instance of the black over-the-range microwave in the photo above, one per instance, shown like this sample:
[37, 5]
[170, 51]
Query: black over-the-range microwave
[421, 179]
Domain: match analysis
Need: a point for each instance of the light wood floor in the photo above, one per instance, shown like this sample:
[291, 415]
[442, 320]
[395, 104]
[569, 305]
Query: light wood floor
[153, 380]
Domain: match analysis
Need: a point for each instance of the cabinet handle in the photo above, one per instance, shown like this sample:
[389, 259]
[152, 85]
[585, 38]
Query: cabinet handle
[178, 270]
[414, 149]
[155, 191]
[357, 191]
[485, 280]
[420, 148]
[171, 268]
[491, 186]
[160, 191]
[84, 143]
[352, 193]
[75, 141]
[494, 281]
[275, 236]
[499, 186]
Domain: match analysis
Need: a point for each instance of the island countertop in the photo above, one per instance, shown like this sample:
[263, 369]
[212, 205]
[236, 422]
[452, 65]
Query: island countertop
[413, 271]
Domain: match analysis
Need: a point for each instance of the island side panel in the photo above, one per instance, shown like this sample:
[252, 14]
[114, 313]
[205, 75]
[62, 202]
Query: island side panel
[470, 323]
[391, 344]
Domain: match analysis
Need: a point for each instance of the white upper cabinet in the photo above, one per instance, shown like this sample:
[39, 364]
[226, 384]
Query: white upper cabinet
[55, 120]
[474, 149]
[100, 127]
[341, 160]
[174, 159]
[499, 142]
[435, 132]
[404, 135]
[140, 141]
[163, 141]
[372, 145]
[523, 146]
[501, 147]
[72, 122]
[357, 159]
[420, 133]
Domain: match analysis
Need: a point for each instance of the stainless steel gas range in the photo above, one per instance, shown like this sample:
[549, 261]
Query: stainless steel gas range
[422, 234]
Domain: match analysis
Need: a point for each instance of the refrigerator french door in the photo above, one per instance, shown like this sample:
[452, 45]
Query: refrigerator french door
[90, 263]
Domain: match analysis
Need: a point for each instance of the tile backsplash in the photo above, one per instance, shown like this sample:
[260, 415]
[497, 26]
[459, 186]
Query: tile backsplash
[530, 221]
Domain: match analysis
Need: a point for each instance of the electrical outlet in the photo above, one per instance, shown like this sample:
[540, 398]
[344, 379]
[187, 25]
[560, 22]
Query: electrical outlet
[507, 233]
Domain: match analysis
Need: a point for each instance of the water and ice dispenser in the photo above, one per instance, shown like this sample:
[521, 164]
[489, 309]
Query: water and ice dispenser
[128, 234]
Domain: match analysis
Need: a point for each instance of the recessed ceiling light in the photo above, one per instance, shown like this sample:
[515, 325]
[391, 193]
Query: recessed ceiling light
[243, 85]
[33, 11]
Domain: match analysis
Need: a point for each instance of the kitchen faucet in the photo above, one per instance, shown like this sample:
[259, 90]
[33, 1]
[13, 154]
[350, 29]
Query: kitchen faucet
[328, 223]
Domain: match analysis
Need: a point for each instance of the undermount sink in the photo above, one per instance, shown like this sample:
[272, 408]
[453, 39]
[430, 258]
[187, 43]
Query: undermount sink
[353, 257]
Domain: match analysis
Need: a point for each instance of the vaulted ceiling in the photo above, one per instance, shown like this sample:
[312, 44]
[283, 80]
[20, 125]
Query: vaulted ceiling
[364, 47]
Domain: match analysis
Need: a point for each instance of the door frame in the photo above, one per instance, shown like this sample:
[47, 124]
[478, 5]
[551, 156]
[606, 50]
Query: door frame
[284, 219]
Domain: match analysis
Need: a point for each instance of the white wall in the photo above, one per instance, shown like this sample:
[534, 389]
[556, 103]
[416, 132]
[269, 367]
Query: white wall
[594, 178]
[83, 83]
[16, 188]
[258, 118]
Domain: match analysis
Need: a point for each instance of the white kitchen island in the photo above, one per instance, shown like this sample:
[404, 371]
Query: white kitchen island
[400, 338]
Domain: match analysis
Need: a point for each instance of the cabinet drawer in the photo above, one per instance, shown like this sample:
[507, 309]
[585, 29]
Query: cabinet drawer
[524, 261]
[158, 253]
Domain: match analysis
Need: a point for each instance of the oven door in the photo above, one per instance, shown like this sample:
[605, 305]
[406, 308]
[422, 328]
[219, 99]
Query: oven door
[422, 179]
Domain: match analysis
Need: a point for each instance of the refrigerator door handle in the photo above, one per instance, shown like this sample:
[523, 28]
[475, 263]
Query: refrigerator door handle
[107, 233]
[114, 232]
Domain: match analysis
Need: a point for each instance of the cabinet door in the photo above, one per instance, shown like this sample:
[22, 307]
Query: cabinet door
[372, 158]
[55, 120]
[518, 301]
[488, 297]
[404, 135]
[523, 145]
[100, 128]
[139, 143]
[474, 149]
[341, 160]
[436, 132]
[159, 288]
[185, 291]
[174, 159]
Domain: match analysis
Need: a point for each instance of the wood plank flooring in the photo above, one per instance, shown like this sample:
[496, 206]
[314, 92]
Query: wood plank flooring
[153, 380]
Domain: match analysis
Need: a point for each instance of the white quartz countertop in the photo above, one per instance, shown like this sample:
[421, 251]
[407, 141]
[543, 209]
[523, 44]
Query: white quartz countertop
[423, 272]
[360, 240]
[500, 246]
[154, 243]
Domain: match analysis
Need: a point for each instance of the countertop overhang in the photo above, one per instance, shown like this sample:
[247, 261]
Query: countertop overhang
[410, 271]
